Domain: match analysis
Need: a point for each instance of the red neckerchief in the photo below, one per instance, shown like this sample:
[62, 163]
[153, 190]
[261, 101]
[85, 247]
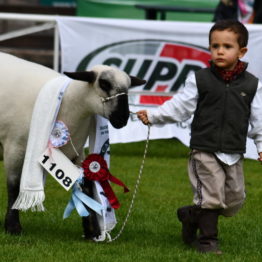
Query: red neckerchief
[228, 76]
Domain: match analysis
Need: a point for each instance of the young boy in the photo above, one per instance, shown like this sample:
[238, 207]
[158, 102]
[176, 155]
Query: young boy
[224, 99]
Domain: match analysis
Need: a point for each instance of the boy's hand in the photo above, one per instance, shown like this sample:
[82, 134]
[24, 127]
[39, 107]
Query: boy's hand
[260, 157]
[142, 115]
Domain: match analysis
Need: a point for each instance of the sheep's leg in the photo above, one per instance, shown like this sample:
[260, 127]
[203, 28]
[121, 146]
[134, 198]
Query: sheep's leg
[90, 223]
[12, 222]
[13, 162]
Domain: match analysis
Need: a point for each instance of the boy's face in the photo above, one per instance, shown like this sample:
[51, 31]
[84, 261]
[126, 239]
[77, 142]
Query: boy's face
[225, 50]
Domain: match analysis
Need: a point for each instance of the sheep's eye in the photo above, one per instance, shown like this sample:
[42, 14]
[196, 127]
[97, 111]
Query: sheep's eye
[105, 85]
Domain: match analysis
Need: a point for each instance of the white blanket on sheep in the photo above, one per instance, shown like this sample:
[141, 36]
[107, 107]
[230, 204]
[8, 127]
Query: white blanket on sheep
[45, 111]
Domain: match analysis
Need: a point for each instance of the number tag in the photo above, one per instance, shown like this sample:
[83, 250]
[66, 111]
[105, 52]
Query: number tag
[60, 167]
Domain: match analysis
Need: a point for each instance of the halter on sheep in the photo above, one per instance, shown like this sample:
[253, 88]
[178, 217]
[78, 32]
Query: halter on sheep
[20, 84]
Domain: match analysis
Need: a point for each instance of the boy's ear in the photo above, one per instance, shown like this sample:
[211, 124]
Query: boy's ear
[242, 52]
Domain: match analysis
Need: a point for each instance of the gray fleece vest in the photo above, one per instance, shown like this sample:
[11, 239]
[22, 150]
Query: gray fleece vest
[222, 115]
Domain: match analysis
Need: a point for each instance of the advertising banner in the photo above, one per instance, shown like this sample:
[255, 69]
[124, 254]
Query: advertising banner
[161, 52]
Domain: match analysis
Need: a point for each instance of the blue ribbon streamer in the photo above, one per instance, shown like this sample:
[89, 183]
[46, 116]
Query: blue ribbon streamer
[77, 201]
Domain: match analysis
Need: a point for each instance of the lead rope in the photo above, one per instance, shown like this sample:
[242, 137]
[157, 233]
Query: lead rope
[135, 190]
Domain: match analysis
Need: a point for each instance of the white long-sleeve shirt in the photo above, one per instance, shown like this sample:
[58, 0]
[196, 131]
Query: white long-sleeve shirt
[183, 105]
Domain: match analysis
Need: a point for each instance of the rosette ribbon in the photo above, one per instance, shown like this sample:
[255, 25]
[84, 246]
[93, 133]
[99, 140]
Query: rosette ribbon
[78, 202]
[60, 134]
[95, 168]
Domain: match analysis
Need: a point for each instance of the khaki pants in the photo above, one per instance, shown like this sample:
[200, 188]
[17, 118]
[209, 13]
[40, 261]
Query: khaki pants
[215, 184]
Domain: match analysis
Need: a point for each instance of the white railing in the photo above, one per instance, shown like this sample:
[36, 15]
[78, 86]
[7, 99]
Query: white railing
[47, 22]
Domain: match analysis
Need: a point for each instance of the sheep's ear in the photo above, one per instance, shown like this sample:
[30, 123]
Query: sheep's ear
[87, 76]
[135, 81]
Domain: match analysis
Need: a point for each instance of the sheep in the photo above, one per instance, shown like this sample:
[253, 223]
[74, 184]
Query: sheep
[20, 83]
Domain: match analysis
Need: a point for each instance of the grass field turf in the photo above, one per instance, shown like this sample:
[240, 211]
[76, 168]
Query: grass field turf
[152, 232]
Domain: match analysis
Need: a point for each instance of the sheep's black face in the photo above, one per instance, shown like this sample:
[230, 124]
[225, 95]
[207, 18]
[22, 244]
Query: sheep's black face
[119, 117]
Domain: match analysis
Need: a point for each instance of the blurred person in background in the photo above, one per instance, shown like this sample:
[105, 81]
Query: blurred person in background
[245, 11]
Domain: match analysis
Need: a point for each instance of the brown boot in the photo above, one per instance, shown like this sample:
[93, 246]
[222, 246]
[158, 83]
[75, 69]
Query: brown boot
[188, 216]
[207, 241]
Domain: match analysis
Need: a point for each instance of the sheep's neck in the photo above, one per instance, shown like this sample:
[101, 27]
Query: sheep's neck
[73, 110]
[73, 113]
[74, 101]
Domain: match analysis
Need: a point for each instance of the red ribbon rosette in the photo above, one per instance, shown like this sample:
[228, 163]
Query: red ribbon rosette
[95, 168]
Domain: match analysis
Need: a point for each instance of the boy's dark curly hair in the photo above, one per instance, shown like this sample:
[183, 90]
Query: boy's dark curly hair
[234, 26]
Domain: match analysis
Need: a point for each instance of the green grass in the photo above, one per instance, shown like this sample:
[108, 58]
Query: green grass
[152, 232]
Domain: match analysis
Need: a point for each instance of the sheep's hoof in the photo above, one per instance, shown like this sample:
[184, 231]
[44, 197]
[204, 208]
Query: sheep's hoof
[13, 228]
